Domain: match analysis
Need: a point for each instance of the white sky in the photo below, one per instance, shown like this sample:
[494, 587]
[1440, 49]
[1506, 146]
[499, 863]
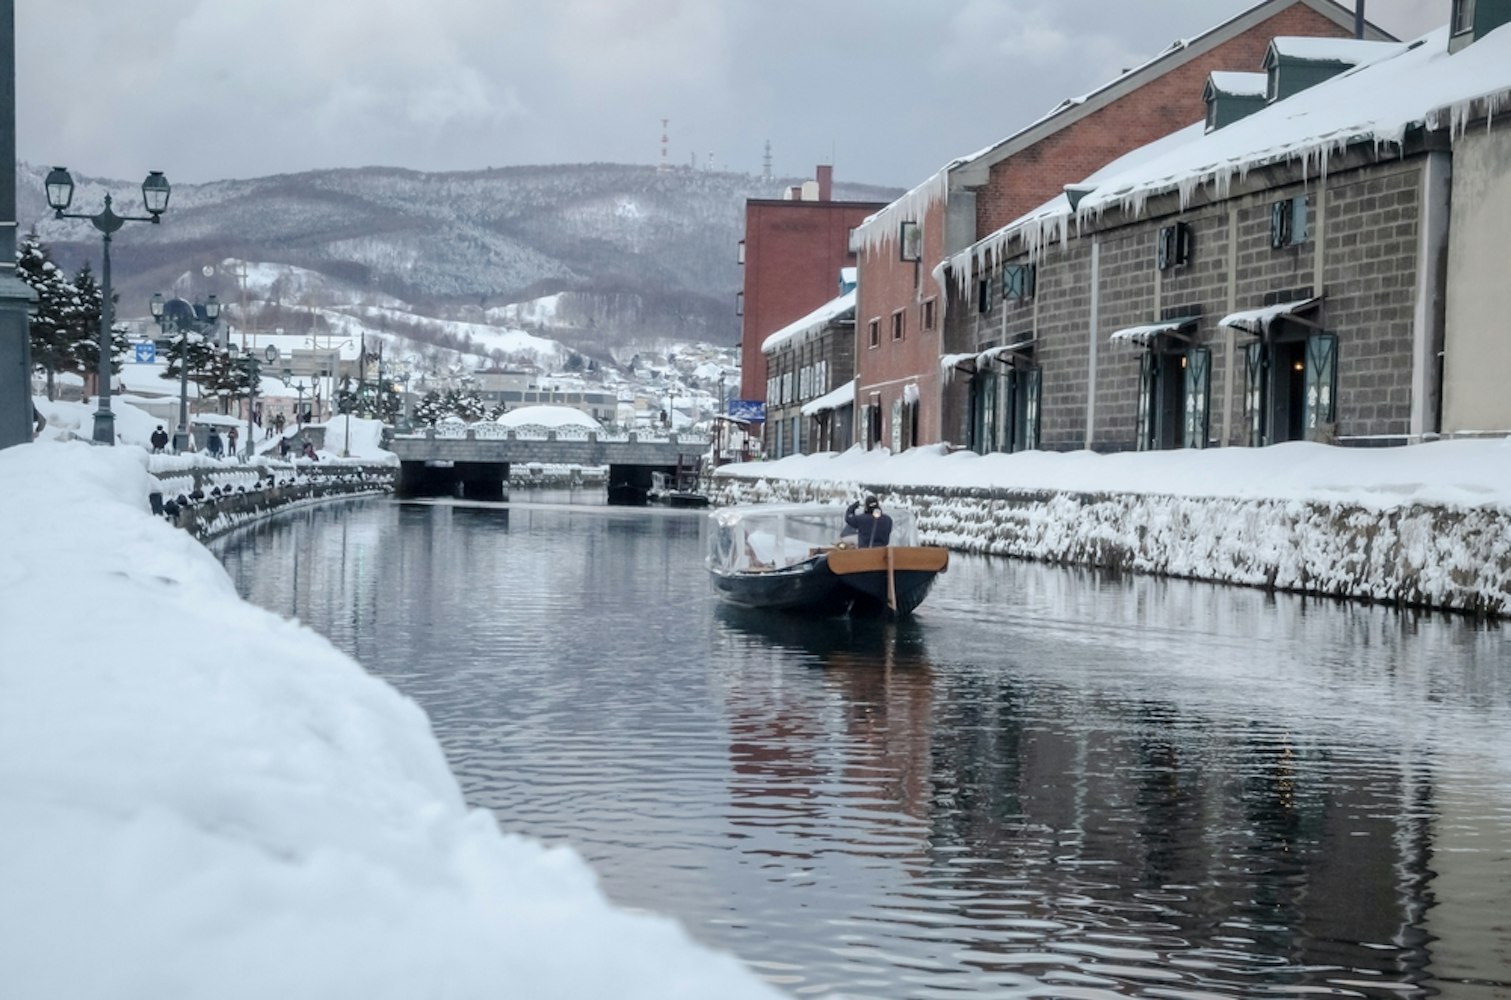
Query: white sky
[887, 89]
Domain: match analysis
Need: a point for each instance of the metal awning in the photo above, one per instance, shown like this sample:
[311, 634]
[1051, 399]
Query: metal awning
[1259, 321]
[832, 400]
[972, 361]
[1143, 336]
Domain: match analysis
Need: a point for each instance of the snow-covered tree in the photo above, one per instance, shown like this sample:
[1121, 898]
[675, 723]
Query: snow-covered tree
[52, 347]
[430, 409]
[82, 318]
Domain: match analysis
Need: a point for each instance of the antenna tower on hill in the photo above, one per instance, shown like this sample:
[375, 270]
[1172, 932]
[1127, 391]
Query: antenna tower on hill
[766, 163]
[665, 138]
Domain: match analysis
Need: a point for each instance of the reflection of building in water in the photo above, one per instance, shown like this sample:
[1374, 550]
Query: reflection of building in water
[1145, 821]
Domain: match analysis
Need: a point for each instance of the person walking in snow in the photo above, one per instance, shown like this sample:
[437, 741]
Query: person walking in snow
[215, 446]
[159, 440]
[231, 436]
[309, 451]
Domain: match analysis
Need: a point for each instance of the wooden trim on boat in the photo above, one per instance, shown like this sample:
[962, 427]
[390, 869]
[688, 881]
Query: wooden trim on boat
[901, 558]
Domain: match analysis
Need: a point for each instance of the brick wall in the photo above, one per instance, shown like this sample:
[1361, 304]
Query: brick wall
[1166, 103]
[794, 251]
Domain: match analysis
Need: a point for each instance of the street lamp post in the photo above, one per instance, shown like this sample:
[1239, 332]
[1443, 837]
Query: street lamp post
[248, 361]
[172, 320]
[155, 191]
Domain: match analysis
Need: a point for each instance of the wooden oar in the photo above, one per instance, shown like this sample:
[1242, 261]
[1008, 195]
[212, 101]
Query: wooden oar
[891, 583]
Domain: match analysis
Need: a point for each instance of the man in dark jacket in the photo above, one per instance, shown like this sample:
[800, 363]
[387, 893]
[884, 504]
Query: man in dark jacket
[872, 527]
[159, 439]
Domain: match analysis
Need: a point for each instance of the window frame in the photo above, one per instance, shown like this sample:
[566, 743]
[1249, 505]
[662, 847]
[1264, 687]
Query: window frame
[899, 325]
[873, 332]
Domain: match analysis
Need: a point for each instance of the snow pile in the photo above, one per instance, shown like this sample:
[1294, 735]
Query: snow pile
[1449, 473]
[359, 438]
[67, 421]
[1428, 524]
[200, 799]
[547, 416]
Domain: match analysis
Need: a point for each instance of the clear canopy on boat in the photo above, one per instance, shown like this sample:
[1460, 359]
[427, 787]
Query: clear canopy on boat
[765, 537]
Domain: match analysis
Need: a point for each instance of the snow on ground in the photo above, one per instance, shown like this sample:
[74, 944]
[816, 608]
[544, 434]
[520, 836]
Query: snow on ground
[359, 438]
[67, 420]
[547, 416]
[201, 799]
[1454, 473]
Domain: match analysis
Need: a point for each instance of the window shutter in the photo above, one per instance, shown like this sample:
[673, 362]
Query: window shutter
[1280, 225]
[1031, 411]
[1146, 377]
[1321, 384]
[1198, 396]
[1256, 364]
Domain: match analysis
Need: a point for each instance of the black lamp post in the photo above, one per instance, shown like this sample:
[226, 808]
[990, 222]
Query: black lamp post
[248, 361]
[170, 321]
[155, 191]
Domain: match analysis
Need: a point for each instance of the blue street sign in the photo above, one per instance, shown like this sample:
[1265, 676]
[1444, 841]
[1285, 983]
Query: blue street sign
[146, 354]
[752, 410]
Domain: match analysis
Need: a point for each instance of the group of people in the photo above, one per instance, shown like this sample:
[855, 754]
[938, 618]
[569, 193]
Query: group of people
[218, 447]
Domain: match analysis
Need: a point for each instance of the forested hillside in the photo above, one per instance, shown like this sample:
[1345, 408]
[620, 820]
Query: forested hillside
[640, 252]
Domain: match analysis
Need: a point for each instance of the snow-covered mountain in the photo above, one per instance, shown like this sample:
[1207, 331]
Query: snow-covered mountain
[604, 254]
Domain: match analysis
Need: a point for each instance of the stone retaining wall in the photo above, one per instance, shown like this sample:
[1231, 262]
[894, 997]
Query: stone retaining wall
[1452, 558]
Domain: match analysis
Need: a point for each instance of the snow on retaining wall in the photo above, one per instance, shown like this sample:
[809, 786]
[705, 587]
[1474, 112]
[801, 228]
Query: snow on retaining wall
[1432, 556]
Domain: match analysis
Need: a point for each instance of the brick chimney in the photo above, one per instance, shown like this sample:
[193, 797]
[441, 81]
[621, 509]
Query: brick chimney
[825, 181]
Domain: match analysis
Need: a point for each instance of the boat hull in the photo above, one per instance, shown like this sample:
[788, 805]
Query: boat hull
[887, 582]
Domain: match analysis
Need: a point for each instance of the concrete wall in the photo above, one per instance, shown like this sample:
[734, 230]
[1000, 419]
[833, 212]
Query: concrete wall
[1477, 350]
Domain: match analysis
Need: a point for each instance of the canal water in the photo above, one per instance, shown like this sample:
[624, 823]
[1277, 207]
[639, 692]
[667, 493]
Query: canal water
[1052, 783]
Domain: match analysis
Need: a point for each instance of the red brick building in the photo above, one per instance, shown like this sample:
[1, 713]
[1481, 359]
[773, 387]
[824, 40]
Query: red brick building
[899, 310]
[793, 251]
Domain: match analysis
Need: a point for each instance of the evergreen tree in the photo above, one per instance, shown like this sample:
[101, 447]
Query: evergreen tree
[51, 338]
[430, 409]
[82, 318]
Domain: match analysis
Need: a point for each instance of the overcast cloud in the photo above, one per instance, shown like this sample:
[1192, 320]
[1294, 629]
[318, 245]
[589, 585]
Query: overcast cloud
[888, 90]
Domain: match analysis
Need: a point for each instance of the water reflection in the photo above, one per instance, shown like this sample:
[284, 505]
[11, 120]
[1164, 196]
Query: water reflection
[1050, 782]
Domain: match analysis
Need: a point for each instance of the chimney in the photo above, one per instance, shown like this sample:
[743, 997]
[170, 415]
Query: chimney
[825, 182]
[1359, 19]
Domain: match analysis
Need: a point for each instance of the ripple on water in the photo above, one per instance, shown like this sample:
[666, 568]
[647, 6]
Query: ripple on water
[1054, 783]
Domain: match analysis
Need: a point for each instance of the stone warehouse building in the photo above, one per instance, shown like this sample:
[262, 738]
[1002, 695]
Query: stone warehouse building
[810, 373]
[1292, 269]
[900, 307]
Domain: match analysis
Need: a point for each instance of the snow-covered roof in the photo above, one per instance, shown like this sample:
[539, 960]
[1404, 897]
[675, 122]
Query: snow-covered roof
[1238, 84]
[832, 400]
[1258, 321]
[812, 323]
[1140, 336]
[547, 416]
[1348, 51]
[1416, 85]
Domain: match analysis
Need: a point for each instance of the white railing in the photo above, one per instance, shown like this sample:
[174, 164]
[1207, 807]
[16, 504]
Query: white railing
[487, 430]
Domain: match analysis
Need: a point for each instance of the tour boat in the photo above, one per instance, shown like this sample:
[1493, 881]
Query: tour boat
[665, 489]
[802, 558]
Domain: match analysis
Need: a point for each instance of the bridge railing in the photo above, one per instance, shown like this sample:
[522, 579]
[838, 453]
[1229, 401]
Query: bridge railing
[487, 430]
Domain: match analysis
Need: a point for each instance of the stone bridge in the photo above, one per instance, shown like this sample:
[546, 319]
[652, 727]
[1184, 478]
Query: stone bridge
[473, 460]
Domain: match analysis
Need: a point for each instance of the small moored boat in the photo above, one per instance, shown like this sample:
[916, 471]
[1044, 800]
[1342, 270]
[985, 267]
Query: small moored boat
[799, 557]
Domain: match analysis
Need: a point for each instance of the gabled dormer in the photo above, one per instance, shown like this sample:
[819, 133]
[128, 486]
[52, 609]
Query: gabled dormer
[1231, 96]
[1292, 64]
[1473, 19]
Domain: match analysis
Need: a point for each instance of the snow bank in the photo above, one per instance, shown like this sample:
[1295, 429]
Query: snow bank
[198, 798]
[1428, 525]
[547, 416]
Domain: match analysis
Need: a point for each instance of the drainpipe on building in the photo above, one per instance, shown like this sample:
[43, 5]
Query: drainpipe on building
[1359, 19]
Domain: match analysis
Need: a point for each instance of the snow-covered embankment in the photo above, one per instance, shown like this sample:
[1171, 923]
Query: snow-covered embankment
[198, 798]
[1385, 524]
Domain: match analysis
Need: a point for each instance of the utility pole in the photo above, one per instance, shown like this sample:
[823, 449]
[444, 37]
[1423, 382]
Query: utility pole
[16, 296]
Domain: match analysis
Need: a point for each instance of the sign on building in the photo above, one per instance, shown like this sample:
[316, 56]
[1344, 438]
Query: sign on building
[146, 354]
[751, 410]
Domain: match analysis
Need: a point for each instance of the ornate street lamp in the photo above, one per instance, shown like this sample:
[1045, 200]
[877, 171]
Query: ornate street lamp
[155, 191]
[179, 316]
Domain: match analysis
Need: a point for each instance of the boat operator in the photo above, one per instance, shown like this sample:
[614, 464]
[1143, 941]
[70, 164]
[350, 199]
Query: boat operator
[873, 528]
